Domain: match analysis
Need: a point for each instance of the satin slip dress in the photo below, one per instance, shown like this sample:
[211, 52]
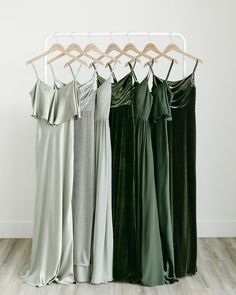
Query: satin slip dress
[103, 230]
[150, 259]
[159, 115]
[55, 109]
[182, 149]
[123, 176]
[83, 200]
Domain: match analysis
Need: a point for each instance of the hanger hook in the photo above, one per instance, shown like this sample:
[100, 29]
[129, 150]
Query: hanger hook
[55, 36]
[89, 37]
[127, 34]
[171, 38]
[149, 38]
[111, 37]
[73, 36]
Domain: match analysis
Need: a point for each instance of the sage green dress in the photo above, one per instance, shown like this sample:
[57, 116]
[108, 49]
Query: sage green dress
[123, 177]
[160, 114]
[83, 201]
[150, 258]
[102, 230]
[55, 109]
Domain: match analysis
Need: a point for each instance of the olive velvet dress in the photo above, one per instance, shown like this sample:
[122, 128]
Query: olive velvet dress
[123, 177]
[150, 259]
[182, 149]
[160, 114]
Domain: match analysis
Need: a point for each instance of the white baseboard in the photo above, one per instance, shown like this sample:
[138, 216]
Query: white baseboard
[216, 228]
[205, 228]
[16, 229]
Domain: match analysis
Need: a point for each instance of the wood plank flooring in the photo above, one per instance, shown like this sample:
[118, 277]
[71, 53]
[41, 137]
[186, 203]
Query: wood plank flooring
[216, 273]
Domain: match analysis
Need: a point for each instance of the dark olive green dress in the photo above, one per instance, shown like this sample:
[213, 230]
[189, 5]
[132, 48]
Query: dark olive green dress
[123, 195]
[182, 148]
[151, 270]
[160, 114]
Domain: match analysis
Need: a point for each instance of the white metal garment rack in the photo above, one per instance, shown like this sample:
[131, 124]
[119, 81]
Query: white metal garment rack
[113, 34]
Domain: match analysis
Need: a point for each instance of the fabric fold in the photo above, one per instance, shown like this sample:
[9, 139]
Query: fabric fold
[55, 105]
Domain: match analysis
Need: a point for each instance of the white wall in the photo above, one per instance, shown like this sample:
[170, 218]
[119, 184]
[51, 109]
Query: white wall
[209, 27]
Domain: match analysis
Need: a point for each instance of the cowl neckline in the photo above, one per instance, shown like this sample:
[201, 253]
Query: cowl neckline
[121, 90]
[179, 90]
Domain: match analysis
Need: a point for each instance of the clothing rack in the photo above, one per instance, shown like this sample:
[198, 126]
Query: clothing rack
[113, 34]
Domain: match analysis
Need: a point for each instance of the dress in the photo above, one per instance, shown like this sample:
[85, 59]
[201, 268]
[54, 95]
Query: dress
[182, 149]
[103, 232]
[123, 177]
[84, 182]
[52, 249]
[160, 114]
[150, 260]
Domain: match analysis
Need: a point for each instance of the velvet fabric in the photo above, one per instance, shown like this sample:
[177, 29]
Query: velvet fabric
[160, 114]
[123, 195]
[182, 149]
[150, 258]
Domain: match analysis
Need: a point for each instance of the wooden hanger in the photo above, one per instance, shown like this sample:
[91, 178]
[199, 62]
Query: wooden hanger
[53, 48]
[175, 47]
[153, 47]
[115, 47]
[72, 47]
[88, 48]
[131, 47]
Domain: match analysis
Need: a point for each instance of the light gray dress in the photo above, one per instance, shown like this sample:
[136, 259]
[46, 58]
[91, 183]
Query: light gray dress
[52, 250]
[84, 182]
[103, 232]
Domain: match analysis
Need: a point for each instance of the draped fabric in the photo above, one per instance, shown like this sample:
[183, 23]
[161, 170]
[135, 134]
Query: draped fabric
[52, 249]
[182, 150]
[84, 182]
[116, 181]
[150, 259]
[160, 114]
[182, 132]
[103, 230]
[123, 177]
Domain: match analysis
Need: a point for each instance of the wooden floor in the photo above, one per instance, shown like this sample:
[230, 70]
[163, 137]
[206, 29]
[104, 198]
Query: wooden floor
[216, 273]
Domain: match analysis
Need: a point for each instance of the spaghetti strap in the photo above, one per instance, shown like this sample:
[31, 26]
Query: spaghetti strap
[150, 64]
[80, 66]
[132, 71]
[150, 71]
[54, 77]
[112, 72]
[194, 69]
[70, 67]
[171, 65]
[95, 68]
[34, 68]
[72, 72]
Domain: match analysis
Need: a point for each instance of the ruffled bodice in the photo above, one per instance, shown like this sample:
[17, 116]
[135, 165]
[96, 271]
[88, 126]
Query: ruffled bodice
[162, 97]
[55, 105]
